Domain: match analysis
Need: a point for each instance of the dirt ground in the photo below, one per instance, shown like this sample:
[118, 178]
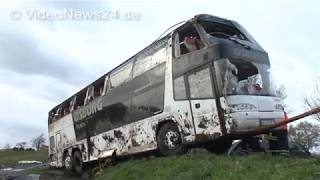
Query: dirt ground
[39, 172]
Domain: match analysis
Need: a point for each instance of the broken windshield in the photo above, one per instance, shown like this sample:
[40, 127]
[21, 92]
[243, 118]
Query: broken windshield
[238, 77]
[222, 30]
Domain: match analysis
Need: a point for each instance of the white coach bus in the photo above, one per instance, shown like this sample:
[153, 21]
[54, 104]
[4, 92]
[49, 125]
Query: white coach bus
[200, 83]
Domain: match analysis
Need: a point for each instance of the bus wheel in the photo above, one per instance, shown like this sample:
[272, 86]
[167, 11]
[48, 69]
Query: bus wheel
[68, 162]
[77, 162]
[219, 146]
[169, 140]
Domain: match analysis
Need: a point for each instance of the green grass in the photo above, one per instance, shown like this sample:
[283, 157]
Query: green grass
[11, 157]
[199, 165]
[209, 166]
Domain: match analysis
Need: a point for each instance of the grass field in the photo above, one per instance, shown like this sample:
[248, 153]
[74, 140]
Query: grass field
[197, 165]
[11, 157]
[209, 166]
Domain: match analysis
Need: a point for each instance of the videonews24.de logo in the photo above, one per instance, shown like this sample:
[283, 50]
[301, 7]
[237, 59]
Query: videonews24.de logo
[74, 14]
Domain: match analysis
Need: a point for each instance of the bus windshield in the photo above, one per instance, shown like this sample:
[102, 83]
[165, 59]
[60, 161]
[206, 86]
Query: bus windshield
[239, 77]
[220, 30]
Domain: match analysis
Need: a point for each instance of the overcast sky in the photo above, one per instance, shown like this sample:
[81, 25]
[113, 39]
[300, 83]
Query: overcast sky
[44, 60]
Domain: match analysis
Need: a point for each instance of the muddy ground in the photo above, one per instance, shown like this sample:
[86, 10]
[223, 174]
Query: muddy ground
[39, 172]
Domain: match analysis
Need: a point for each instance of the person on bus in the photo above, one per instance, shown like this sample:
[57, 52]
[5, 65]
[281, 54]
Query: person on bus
[192, 43]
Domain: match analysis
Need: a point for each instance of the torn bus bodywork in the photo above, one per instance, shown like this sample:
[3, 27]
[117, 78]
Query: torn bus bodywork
[205, 82]
[240, 68]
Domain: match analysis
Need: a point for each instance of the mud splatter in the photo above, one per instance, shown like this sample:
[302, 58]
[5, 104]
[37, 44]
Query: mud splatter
[108, 138]
[118, 134]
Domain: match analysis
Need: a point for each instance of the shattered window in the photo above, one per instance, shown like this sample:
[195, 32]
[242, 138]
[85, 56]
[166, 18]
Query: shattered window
[107, 85]
[90, 94]
[121, 75]
[188, 41]
[222, 31]
[98, 88]
[200, 84]
[179, 88]
[80, 98]
[73, 103]
[244, 77]
[58, 113]
[66, 108]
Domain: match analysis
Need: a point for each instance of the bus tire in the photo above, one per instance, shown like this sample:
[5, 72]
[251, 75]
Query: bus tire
[77, 162]
[67, 160]
[219, 146]
[169, 140]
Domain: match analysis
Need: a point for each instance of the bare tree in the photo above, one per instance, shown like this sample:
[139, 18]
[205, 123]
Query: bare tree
[313, 101]
[306, 134]
[281, 93]
[21, 145]
[38, 141]
[7, 146]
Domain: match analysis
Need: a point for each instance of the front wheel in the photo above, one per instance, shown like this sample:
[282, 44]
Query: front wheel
[77, 162]
[68, 162]
[169, 140]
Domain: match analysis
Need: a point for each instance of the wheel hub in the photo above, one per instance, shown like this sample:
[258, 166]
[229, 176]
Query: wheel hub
[67, 162]
[171, 139]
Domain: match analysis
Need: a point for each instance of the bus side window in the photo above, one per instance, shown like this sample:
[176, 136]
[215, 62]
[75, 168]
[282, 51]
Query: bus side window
[80, 100]
[66, 109]
[89, 95]
[58, 113]
[121, 74]
[106, 86]
[145, 62]
[98, 89]
[73, 103]
[187, 40]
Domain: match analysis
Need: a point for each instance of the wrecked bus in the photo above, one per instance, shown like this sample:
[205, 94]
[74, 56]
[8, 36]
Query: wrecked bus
[205, 80]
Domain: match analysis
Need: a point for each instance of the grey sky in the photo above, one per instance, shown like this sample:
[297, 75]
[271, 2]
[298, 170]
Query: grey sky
[29, 58]
[42, 62]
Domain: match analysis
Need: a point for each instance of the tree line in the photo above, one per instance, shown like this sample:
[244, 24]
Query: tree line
[305, 133]
[36, 142]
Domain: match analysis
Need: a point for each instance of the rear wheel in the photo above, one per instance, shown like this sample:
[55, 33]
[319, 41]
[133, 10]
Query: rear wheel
[77, 162]
[219, 146]
[169, 140]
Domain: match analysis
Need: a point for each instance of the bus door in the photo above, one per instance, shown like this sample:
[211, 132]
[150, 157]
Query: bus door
[58, 147]
[202, 102]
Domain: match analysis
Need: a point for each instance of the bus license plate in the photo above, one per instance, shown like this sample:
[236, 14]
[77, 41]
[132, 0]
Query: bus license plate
[266, 122]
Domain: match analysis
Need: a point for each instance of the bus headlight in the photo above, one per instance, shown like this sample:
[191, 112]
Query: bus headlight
[243, 107]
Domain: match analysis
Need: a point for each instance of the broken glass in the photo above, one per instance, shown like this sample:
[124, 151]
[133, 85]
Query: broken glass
[238, 77]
